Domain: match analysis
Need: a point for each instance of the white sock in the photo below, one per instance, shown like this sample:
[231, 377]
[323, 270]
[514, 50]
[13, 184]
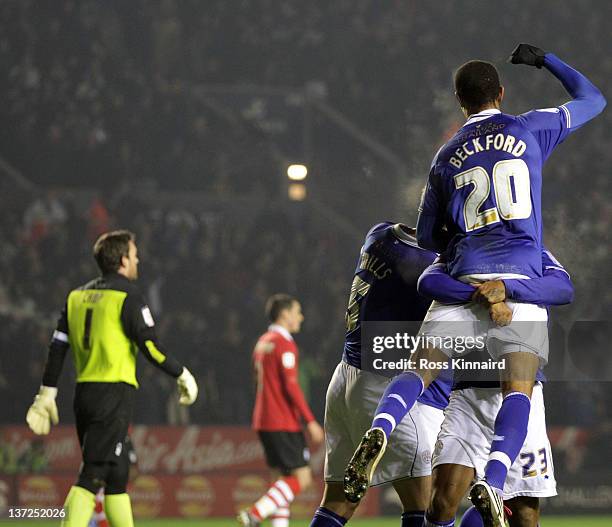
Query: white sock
[280, 518]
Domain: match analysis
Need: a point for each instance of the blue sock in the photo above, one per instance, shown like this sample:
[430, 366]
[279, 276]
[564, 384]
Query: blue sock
[413, 518]
[325, 518]
[396, 402]
[471, 518]
[510, 432]
[430, 523]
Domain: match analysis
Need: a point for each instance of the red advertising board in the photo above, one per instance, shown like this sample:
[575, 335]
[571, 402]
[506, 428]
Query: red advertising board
[175, 450]
[168, 449]
[164, 495]
[42, 490]
[181, 472]
[178, 450]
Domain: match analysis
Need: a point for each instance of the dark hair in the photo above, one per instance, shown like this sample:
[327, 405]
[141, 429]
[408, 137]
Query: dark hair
[277, 303]
[476, 84]
[110, 247]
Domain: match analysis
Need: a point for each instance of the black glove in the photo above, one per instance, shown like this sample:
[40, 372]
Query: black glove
[527, 54]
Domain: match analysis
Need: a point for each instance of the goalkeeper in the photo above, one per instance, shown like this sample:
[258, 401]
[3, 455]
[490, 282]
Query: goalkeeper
[105, 322]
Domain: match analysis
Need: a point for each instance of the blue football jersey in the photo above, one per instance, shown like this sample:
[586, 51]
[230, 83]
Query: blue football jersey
[483, 196]
[384, 289]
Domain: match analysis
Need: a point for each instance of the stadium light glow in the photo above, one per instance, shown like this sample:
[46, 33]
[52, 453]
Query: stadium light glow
[297, 172]
[297, 192]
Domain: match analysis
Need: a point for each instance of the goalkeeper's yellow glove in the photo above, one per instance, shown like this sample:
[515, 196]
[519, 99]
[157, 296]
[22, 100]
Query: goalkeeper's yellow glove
[188, 388]
[43, 411]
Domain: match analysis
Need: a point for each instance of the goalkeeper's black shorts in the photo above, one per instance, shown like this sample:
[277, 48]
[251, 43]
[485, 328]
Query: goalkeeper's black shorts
[103, 412]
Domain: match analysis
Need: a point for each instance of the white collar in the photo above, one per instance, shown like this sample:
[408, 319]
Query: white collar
[280, 329]
[403, 236]
[481, 116]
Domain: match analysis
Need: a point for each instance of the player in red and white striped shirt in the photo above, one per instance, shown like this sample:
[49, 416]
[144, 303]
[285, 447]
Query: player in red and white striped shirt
[280, 413]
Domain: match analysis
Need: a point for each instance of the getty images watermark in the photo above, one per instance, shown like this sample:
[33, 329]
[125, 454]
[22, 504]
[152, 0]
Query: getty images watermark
[576, 351]
[452, 345]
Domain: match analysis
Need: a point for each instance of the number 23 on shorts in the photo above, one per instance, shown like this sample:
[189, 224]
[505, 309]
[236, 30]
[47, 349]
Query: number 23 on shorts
[530, 458]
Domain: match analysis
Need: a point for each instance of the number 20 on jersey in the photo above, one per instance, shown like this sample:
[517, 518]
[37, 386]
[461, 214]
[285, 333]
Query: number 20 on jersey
[512, 193]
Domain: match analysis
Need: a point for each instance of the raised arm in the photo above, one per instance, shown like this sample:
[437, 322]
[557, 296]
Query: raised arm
[587, 101]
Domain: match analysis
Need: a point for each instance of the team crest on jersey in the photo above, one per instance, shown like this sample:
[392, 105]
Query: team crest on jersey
[438, 448]
[426, 456]
[288, 359]
[147, 317]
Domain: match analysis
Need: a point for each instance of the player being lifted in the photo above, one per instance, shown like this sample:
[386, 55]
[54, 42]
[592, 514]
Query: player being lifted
[104, 322]
[481, 208]
[280, 408]
[385, 289]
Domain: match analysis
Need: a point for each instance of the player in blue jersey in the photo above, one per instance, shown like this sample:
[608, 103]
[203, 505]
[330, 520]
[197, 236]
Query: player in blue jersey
[463, 443]
[481, 209]
[462, 449]
[384, 290]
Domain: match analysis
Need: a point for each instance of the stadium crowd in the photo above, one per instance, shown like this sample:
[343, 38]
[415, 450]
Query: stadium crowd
[206, 277]
[106, 97]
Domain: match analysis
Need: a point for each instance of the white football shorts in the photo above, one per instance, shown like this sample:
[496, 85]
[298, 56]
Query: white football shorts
[350, 404]
[528, 331]
[466, 435]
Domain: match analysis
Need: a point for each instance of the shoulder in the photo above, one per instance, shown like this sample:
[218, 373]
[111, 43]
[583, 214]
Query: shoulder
[378, 230]
[284, 342]
[446, 150]
[283, 345]
[411, 252]
[269, 341]
[96, 283]
[544, 118]
[119, 283]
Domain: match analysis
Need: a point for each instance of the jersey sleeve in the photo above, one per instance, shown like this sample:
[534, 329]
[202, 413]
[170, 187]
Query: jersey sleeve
[430, 231]
[57, 351]
[436, 284]
[554, 288]
[551, 126]
[288, 369]
[139, 326]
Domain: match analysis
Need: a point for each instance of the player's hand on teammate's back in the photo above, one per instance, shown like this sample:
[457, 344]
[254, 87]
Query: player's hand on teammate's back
[315, 433]
[500, 313]
[188, 388]
[527, 54]
[43, 411]
[491, 292]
